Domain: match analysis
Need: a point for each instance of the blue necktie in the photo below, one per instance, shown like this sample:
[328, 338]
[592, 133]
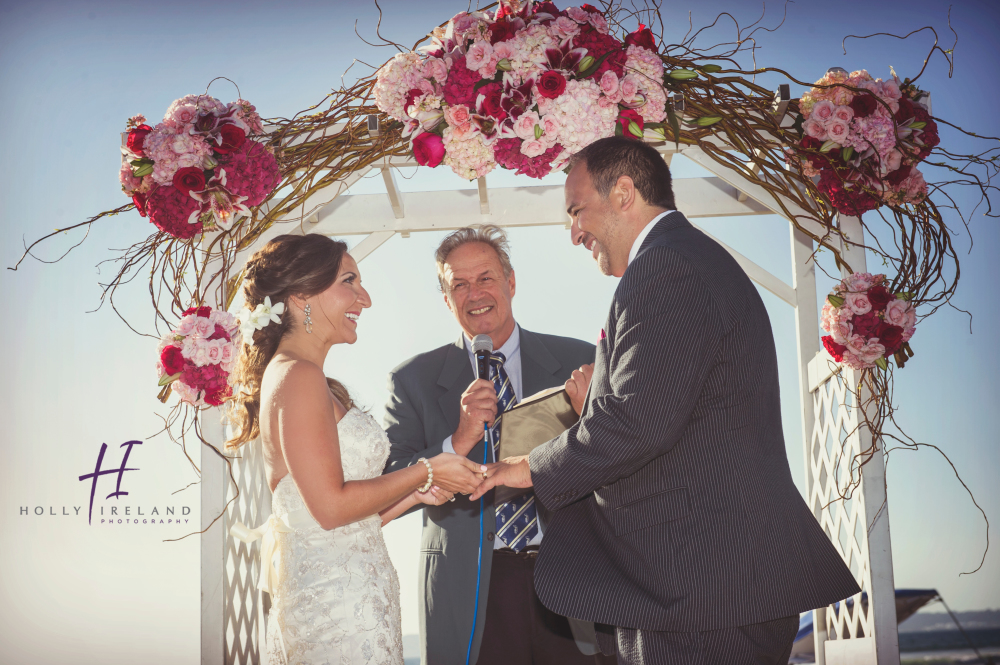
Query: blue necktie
[517, 519]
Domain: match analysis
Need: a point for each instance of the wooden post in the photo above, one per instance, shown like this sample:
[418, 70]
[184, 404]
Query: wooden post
[882, 595]
[807, 341]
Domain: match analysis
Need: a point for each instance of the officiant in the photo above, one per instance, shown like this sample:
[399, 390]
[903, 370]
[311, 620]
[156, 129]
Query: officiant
[436, 404]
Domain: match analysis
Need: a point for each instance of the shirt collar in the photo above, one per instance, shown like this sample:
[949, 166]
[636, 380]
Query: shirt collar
[510, 347]
[645, 232]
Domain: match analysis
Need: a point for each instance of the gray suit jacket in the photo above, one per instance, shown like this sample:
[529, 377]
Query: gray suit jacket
[673, 507]
[423, 410]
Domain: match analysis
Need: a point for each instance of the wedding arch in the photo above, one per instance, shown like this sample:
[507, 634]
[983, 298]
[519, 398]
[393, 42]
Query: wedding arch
[523, 86]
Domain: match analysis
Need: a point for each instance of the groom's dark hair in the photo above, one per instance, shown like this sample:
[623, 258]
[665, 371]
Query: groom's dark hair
[610, 158]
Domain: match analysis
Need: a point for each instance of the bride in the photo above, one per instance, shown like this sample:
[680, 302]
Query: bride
[334, 591]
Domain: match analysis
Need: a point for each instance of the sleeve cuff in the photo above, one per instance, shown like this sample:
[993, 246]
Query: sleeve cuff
[446, 446]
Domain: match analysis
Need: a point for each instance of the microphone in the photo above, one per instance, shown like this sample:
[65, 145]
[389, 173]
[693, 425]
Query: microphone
[482, 349]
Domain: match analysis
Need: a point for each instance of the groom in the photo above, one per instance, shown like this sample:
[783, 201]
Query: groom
[676, 526]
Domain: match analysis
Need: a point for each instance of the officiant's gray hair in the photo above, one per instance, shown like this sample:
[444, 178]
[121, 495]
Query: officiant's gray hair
[488, 234]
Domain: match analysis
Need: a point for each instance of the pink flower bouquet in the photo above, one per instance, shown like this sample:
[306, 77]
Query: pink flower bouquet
[867, 323]
[524, 88]
[864, 143]
[196, 357]
[198, 170]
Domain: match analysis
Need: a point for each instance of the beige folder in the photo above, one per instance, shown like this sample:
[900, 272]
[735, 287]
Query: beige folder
[538, 419]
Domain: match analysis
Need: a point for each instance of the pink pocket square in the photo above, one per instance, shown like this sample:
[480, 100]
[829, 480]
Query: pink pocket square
[602, 337]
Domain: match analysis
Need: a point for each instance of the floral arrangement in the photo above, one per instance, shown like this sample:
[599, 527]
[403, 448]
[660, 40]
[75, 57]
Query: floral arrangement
[863, 138]
[524, 89]
[196, 357]
[867, 322]
[198, 170]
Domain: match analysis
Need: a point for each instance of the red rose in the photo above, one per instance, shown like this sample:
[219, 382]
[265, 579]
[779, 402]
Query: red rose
[625, 120]
[835, 350]
[879, 297]
[172, 360]
[411, 96]
[140, 203]
[136, 137]
[864, 105]
[866, 324]
[232, 139]
[889, 336]
[590, 8]
[188, 179]
[547, 8]
[905, 111]
[551, 84]
[501, 31]
[899, 175]
[642, 37]
[428, 149]
[203, 312]
[492, 94]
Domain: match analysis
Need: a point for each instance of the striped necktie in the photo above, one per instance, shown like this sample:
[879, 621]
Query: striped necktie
[517, 519]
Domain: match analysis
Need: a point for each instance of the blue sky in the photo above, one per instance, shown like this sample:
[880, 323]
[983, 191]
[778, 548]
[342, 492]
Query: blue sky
[72, 73]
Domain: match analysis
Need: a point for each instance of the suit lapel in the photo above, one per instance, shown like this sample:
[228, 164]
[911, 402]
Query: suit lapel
[538, 365]
[456, 375]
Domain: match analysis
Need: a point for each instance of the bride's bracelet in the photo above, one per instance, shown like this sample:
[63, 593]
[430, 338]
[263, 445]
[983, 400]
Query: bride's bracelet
[430, 476]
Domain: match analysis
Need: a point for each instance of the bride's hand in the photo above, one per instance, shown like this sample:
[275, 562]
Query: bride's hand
[457, 474]
[435, 496]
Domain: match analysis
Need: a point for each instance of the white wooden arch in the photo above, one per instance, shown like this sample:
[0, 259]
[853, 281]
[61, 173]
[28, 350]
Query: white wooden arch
[862, 630]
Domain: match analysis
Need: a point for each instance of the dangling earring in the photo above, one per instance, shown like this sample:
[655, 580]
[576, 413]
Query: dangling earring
[308, 321]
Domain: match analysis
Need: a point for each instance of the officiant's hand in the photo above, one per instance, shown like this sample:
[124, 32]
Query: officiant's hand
[512, 472]
[577, 384]
[479, 406]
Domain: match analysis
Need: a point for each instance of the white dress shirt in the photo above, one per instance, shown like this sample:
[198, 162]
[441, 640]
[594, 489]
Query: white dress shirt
[511, 350]
[645, 232]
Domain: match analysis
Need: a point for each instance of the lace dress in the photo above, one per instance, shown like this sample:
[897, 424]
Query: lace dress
[337, 595]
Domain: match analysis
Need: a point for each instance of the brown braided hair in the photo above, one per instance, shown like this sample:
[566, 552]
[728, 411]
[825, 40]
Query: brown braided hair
[288, 265]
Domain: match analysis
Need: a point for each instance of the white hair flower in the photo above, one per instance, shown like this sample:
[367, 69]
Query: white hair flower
[263, 314]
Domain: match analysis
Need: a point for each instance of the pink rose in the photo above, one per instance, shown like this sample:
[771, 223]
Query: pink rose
[855, 344]
[203, 327]
[524, 127]
[435, 68]
[599, 22]
[837, 130]
[814, 129]
[857, 303]
[479, 55]
[184, 114]
[578, 14]
[844, 113]
[489, 70]
[457, 117]
[893, 161]
[609, 83]
[533, 148]
[859, 282]
[564, 28]
[629, 87]
[504, 50]
[889, 90]
[551, 128]
[901, 313]
[841, 331]
[823, 111]
[213, 351]
[872, 351]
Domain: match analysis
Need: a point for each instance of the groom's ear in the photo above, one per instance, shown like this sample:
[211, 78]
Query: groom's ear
[512, 283]
[447, 302]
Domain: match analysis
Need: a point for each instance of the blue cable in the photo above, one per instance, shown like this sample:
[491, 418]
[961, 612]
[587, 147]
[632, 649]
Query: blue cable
[479, 569]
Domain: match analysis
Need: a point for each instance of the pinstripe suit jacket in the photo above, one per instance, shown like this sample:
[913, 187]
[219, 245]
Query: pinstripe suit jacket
[673, 504]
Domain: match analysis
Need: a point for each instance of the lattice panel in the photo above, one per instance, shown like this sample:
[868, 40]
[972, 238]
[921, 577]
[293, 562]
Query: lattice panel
[834, 443]
[244, 606]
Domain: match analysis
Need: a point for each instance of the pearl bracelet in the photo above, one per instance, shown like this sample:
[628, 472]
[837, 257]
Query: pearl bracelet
[430, 476]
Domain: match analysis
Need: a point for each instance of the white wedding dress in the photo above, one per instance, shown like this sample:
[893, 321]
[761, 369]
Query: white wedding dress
[337, 595]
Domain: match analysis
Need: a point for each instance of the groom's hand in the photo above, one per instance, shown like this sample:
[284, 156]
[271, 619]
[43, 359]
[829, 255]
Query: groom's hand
[512, 472]
[577, 384]
[478, 407]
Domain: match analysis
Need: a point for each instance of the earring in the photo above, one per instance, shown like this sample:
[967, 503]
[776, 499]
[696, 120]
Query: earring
[308, 321]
